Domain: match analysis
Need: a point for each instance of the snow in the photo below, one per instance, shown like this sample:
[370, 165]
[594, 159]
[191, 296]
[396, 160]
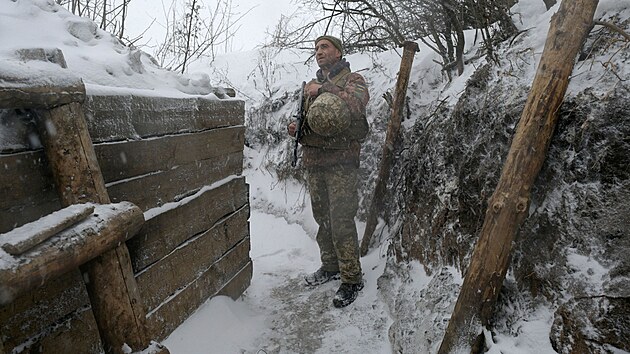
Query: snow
[277, 313]
[96, 56]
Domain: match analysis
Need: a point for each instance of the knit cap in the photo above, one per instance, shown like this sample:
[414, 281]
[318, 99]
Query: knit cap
[334, 40]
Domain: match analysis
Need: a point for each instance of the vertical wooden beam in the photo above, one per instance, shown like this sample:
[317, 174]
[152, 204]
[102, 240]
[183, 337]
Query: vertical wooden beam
[393, 128]
[509, 205]
[109, 278]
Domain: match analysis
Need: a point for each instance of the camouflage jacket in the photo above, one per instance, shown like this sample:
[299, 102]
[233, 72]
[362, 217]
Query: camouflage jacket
[343, 148]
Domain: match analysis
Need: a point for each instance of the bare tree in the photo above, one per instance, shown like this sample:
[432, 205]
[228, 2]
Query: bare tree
[385, 24]
[197, 31]
[110, 15]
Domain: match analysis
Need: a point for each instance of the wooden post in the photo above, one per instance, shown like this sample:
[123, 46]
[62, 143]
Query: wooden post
[393, 128]
[509, 205]
[109, 277]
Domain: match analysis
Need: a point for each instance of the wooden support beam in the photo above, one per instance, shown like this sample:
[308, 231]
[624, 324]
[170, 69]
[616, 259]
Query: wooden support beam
[109, 226]
[393, 128]
[508, 207]
[110, 282]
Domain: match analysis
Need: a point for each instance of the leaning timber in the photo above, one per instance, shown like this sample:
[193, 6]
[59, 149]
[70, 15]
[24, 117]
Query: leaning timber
[508, 206]
[393, 129]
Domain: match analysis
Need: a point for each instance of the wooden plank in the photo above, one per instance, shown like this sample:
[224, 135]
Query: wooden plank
[40, 308]
[18, 131]
[170, 314]
[18, 214]
[108, 227]
[184, 265]
[178, 115]
[239, 283]
[114, 118]
[25, 179]
[133, 158]
[156, 189]
[26, 95]
[77, 332]
[22, 239]
[27, 189]
[163, 233]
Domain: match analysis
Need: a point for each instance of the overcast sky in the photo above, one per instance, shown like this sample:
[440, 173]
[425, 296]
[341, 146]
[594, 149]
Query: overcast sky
[262, 17]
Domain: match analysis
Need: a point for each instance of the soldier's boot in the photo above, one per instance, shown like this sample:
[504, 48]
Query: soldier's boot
[321, 276]
[346, 294]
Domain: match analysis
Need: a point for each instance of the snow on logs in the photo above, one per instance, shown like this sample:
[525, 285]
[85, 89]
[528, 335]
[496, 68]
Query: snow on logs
[104, 228]
[48, 84]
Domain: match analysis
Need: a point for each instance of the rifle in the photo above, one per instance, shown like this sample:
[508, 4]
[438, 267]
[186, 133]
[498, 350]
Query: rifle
[299, 117]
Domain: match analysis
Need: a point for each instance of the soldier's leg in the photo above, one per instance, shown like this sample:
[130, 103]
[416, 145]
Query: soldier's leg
[321, 212]
[344, 202]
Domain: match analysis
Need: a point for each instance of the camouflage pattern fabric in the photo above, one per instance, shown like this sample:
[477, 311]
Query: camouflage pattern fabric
[334, 200]
[352, 89]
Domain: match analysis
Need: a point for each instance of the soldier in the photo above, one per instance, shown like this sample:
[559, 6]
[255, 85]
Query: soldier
[333, 130]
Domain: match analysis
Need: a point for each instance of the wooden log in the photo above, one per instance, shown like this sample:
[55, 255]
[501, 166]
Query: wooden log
[109, 226]
[38, 312]
[393, 128]
[122, 160]
[509, 205]
[113, 118]
[22, 239]
[182, 266]
[165, 231]
[110, 283]
[160, 187]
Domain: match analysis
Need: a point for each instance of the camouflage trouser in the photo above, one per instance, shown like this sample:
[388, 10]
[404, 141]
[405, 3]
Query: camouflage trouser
[334, 200]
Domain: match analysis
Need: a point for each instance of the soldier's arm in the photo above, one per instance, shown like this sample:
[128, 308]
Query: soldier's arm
[354, 93]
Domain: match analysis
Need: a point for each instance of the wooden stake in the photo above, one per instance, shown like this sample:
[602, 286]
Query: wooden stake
[509, 205]
[393, 128]
[110, 281]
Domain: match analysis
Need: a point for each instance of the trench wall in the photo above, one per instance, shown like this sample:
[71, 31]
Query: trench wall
[178, 159]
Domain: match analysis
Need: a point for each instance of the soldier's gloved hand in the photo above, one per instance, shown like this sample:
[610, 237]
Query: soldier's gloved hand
[312, 89]
[291, 128]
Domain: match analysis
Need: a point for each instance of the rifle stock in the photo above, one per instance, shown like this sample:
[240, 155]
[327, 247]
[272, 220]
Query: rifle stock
[299, 117]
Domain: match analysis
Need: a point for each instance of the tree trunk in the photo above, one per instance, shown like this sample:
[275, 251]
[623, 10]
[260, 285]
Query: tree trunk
[110, 281]
[410, 49]
[508, 206]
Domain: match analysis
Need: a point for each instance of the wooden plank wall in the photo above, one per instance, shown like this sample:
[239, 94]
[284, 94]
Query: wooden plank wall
[180, 160]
